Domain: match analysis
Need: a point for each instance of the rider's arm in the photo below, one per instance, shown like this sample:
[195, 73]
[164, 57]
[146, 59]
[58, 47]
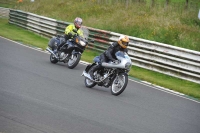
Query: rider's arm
[80, 32]
[126, 50]
[68, 29]
[109, 51]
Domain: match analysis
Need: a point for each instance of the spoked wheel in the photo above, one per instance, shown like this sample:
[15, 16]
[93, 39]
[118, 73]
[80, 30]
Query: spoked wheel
[73, 61]
[53, 59]
[89, 83]
[119, 84]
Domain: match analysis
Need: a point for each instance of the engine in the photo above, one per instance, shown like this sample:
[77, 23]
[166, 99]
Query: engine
[106, 77]
[63, 56]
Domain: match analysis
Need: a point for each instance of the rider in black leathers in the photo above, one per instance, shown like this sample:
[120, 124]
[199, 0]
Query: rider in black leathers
[109, 54]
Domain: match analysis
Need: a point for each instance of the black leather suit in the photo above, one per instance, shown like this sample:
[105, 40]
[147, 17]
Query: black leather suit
[109, 54]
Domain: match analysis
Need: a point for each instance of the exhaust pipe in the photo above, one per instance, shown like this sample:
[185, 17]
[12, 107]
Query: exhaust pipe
[87, 76]
[48, 49]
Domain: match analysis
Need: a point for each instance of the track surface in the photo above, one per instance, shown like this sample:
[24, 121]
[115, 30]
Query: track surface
[39, 97]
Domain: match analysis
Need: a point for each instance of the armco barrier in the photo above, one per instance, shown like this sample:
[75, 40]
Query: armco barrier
[4, 12]
[163, 58]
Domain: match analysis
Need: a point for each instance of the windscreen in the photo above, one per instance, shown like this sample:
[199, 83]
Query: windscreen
[120, 54]
[85, 32]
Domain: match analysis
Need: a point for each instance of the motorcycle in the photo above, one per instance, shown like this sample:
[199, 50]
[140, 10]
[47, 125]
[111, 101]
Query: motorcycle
[71, 51]
[114, 74]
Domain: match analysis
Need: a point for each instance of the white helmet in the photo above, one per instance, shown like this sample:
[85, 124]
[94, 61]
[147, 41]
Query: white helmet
[78, 22]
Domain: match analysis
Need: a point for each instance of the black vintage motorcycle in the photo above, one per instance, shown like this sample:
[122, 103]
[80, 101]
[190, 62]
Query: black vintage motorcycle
[114, 74]
[71, 51]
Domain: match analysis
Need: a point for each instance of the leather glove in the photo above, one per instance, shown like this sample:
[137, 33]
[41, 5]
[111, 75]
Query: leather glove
[70, 34]
[75, 30]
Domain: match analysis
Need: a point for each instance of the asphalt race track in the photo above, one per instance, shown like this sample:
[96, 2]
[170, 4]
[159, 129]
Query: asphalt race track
[39, 97]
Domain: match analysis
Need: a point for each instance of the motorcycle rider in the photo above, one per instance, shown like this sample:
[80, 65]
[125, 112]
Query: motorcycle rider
[69, 31]
[109, 54]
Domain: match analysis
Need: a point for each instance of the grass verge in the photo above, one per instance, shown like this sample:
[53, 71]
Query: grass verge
[20, 35]
[29, 38]
[171, 24]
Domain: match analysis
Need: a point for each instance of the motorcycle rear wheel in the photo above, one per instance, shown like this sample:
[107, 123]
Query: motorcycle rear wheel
[53, 59]
[74, 61]
[89, 83]
[119, 84]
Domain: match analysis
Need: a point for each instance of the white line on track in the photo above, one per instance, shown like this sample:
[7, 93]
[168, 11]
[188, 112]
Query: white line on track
[140, 82]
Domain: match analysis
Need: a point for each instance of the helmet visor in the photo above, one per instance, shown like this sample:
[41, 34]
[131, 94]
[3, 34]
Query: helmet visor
[125, 43]
[78, 24]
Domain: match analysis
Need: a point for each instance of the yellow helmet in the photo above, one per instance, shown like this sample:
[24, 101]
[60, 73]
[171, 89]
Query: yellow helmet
[123, 41]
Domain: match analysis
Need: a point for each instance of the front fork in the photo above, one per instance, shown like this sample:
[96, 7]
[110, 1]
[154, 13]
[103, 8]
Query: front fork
[73, 53]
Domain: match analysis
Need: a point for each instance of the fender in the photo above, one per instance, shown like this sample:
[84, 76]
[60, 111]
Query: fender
[88, 67]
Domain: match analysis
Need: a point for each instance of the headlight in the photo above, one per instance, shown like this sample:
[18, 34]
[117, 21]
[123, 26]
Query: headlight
[128, 65]
[82, 43]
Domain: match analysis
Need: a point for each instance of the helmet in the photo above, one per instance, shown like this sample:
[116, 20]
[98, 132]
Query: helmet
[78, 22]
[123, 41]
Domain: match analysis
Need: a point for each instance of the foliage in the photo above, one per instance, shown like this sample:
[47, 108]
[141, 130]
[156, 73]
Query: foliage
[171, 24]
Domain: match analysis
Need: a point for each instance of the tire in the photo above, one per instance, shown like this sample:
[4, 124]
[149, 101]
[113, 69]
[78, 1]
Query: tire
[73, 62]
[53, 59]
[89, 83]
[116, 87]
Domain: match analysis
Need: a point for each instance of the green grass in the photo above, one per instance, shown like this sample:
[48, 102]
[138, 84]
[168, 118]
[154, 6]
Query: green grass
[28, 38]
[179, 85]
[172, 24]
[23, 36]
[7, 3]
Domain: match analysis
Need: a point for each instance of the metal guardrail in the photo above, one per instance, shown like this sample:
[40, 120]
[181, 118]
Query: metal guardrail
[159, 57]
[4, 12]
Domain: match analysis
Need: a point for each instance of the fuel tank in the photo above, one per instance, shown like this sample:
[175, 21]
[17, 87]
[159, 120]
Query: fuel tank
[113, 65]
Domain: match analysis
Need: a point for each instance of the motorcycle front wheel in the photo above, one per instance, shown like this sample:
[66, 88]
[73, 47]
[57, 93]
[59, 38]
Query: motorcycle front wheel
[73, 61]
[119, 84]
[53, 59]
